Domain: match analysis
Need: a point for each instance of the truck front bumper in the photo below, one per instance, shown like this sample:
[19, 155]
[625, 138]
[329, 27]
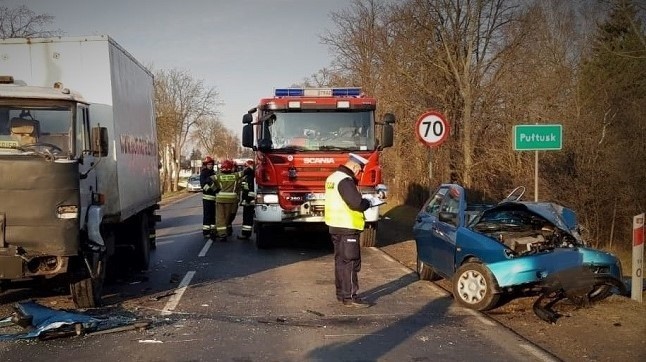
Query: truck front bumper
[16, 264]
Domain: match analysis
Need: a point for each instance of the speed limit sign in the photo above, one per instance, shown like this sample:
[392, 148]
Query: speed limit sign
[432, 129]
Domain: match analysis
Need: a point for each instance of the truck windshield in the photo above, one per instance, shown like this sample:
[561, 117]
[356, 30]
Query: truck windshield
[321, 131]
[49, 126]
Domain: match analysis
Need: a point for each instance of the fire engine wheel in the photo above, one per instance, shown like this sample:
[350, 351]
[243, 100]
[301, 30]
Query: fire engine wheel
[263, 236]
[86, 288]
[368, 236]
[142, 242]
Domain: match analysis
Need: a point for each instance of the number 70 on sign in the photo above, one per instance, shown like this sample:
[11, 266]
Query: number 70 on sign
[432, 129]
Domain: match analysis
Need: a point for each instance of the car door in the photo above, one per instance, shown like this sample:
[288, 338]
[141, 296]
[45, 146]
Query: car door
[444, 229]
[424, 223]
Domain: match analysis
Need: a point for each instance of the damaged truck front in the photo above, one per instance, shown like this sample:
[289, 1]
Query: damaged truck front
[78, 171]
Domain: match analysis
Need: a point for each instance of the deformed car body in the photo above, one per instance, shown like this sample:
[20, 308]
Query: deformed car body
[489, 250]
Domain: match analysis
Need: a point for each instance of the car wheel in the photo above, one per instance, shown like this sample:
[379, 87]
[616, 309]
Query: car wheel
[600, 292]
[475, 287]
[426, 272]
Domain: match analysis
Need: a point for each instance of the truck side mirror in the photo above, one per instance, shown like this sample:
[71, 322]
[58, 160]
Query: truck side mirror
[387, 136]
[387, 132]
[247, 118]
[247, 134]
[99, 145]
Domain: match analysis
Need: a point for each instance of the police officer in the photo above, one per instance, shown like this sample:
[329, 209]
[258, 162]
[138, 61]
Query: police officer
[247, 200]
[208, 196]
[344, 209]
[229, 184]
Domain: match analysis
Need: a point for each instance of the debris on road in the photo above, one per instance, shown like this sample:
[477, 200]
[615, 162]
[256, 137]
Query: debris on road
[150, 341]
[161, 296]
[45, 323]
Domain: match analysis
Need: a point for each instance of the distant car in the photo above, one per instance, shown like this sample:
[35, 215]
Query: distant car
[193, 184]
[489, 250]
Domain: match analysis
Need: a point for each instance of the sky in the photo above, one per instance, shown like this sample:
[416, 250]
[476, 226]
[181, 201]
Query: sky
[242, 48]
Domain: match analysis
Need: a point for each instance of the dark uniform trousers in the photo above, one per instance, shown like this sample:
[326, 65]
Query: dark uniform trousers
[247, 220]
[208, 220]
[347, 257]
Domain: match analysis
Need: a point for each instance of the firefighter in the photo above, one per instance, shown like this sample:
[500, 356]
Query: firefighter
[229, 184]
[344, 209]
[247, 200]
[208, 196]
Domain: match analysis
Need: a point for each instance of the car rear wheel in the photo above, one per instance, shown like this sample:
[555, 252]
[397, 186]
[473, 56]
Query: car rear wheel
[426, 272]
[475, 287]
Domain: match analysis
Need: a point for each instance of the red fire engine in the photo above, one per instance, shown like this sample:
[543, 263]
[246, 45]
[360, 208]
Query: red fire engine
[300, 136]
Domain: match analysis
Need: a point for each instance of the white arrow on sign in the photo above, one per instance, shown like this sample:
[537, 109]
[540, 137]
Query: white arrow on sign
[432, 129]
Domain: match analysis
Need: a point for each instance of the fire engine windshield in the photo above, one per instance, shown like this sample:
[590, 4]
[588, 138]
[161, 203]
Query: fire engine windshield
[321, 131]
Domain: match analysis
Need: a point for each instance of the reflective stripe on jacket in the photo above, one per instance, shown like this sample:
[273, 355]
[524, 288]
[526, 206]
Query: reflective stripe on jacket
[229, 185]
[337, 212]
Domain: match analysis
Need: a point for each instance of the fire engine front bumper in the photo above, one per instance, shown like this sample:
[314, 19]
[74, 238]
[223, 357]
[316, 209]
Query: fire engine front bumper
[307, 212]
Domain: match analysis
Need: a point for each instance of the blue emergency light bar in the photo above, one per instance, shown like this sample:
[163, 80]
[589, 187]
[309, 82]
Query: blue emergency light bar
[317, 92]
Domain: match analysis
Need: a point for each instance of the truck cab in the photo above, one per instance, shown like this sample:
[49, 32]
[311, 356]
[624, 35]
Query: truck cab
[47, 154]
[300, 136]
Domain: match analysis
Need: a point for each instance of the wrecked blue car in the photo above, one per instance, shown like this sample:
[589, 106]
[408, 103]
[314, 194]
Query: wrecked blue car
[510, 247]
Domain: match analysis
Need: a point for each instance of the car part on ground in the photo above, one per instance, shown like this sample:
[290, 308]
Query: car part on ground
[579, 285]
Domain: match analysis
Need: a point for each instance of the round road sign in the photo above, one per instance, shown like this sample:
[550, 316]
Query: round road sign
[432, 129]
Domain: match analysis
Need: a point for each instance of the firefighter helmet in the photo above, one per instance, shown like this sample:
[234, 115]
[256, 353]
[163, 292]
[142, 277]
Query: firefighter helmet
[227, 166]
[208, 160]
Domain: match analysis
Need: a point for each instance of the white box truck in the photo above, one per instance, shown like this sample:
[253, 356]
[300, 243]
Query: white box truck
[79, 174]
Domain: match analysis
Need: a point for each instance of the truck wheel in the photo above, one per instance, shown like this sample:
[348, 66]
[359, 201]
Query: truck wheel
[263, 236]
[426, 272]
[475, 287]
[152, 231]
[86, 289]
[142, 242]
[368, 236]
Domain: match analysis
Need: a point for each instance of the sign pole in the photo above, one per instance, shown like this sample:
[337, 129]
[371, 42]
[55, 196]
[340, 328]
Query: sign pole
[637, 280]
[536, 176]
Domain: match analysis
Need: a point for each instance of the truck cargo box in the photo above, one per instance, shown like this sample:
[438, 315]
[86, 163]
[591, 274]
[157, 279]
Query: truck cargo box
[121, 93]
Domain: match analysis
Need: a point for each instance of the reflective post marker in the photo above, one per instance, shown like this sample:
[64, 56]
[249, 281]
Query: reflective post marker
[638, 258]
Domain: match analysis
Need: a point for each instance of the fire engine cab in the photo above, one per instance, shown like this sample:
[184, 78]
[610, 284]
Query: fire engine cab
[300, 136]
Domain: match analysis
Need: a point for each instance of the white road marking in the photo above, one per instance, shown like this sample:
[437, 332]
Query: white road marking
[205, 249]
[174, 299]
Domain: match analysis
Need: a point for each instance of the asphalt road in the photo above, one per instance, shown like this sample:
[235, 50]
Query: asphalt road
[232, 302]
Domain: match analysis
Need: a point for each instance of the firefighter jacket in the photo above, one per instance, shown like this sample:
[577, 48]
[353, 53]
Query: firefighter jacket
[229, 186]
[207, 184]
[344, 205]
[248, 196]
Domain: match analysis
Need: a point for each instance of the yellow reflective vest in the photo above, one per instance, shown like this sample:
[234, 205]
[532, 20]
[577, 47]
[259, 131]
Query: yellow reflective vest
[337, 212]
[229, 185]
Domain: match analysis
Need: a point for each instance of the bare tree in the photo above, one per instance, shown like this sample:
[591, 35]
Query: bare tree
[181, 103]
[22, 22]
[218, 141]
